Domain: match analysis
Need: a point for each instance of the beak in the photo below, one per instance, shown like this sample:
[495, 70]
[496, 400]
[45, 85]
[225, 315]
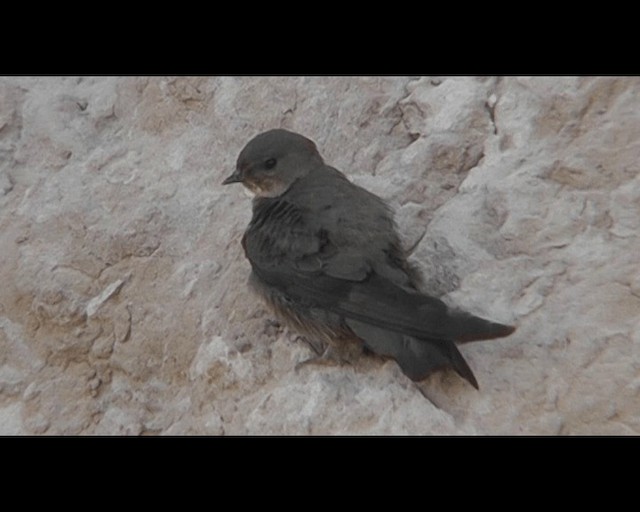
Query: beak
[234, 178]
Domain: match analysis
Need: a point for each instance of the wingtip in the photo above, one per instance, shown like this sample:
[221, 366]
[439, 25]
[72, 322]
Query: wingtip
[488, 331]
[506, 330]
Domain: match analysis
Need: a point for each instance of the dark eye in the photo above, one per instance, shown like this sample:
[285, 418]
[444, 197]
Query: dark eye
[270, 163]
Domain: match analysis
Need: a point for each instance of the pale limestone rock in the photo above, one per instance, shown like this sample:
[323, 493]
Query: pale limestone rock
[124, 307]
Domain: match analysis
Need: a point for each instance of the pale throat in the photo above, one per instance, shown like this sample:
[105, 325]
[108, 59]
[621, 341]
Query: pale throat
[270, 188]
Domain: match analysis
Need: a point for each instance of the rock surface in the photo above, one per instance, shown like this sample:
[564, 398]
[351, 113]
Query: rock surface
[124, 307]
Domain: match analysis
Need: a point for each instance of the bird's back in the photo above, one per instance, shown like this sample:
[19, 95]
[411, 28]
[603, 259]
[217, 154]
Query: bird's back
[358, 223]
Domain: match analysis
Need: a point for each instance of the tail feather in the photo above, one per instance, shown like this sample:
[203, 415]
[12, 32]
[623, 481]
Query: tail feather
[418, 358]
[460, 365]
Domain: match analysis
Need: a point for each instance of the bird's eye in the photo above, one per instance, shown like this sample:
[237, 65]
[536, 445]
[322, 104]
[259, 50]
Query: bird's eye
[270, 163]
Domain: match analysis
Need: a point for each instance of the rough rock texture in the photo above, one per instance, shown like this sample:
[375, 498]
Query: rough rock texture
[124, 307]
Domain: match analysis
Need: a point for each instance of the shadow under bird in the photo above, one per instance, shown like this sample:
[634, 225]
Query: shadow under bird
[327, 259]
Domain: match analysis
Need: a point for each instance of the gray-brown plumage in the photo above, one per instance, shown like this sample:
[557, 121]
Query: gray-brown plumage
[325, 255]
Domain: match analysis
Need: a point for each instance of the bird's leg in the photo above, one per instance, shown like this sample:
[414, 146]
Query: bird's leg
[330, 357]
[327, 358]
[316, 346]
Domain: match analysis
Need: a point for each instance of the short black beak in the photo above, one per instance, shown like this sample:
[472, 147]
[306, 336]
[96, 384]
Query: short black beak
[234, 178]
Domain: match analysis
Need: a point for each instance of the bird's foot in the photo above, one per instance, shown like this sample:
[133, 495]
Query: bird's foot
[328, 358]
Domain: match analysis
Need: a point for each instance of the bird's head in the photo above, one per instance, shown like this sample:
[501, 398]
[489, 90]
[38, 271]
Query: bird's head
[272, 161]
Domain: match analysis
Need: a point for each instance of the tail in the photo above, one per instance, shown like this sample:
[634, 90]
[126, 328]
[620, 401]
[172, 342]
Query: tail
[418, 358]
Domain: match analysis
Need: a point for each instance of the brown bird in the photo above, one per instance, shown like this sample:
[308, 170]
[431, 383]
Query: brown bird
[325, 255]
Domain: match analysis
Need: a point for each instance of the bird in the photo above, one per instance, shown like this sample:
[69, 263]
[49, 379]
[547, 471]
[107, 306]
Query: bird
[327, 259]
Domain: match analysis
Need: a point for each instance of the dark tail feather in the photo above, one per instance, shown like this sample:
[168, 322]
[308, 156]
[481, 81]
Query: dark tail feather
[418, 358]
[461, 366]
